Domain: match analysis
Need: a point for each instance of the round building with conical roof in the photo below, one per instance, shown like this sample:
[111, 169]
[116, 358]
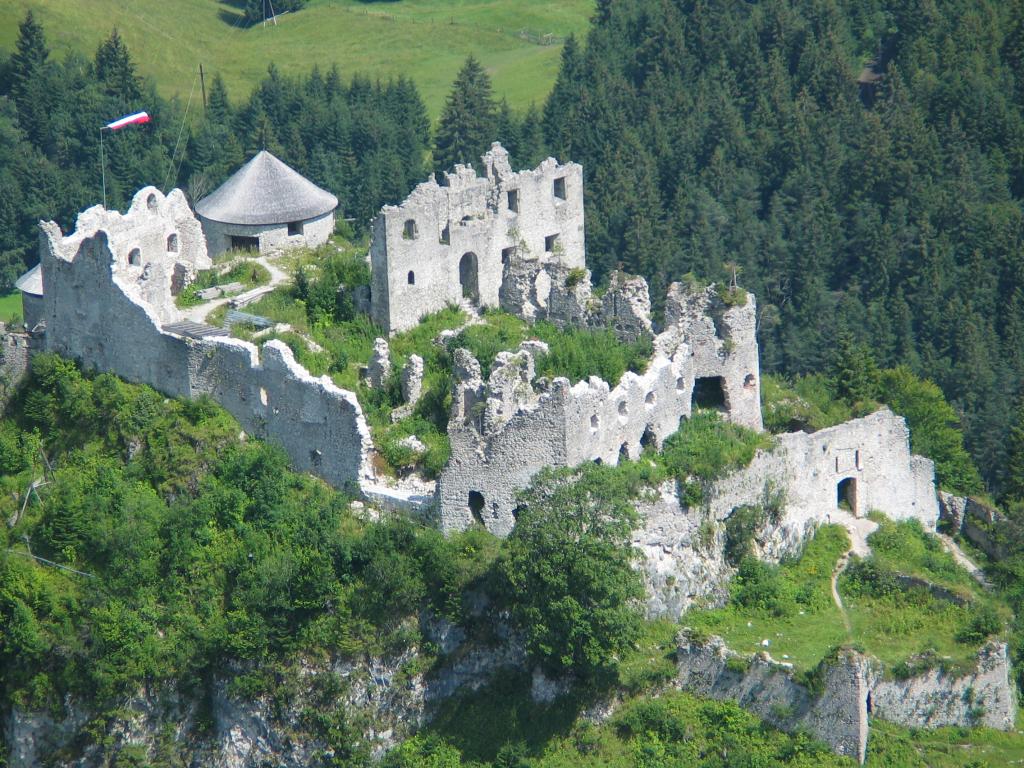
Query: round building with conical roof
[266, 205]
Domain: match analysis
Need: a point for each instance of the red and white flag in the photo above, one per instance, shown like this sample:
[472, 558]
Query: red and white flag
[137, 119]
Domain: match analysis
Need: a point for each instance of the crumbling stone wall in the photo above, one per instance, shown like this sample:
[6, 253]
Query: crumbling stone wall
[517, 426]
[837, 715]
[97, 312]
[447, 241]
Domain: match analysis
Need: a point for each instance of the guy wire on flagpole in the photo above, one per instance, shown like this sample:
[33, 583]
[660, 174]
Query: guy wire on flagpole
[167, 177]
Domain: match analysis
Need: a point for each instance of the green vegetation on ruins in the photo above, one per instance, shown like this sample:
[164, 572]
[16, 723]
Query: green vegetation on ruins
[318, 312]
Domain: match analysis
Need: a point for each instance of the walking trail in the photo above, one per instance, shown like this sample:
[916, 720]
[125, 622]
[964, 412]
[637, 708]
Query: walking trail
[859, 528]
[200, 312]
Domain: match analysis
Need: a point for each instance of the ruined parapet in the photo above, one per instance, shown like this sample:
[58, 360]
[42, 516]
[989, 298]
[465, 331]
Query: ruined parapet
[723, 347]
[16, 347]
[96, 312]
[378, 371]
[412, 380]
[447, 242]
[565, 297]
[156, 247]
[505, 431]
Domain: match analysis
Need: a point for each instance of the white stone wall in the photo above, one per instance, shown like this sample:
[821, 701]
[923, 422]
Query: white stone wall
[97, 313]
[272, 237]
[414, 273]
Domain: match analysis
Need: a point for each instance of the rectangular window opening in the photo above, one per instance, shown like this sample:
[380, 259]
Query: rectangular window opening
[513, 200]
[549, 243]
[559, 188]
[294, 228]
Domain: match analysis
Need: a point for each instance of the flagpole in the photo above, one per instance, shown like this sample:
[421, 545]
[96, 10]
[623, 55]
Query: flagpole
[103, 169]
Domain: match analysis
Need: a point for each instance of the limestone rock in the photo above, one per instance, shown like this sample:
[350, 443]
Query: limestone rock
[412, 380]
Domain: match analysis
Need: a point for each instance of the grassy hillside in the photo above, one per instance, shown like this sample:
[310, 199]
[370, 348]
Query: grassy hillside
[426, 39]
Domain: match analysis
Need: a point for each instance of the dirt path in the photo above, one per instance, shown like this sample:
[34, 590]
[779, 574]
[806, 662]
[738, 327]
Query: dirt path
[963, 560]
[858, 528]
[840, 567]
[199, 313]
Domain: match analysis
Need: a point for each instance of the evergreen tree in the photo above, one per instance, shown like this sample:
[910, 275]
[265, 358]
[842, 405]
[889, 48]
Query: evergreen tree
[29, 86]
[115, 69]
[469, 119]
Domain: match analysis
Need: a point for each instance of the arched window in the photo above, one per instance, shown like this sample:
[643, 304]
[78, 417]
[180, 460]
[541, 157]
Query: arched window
[412, 277]
[172, 242]
[151, 202]
[135, 257]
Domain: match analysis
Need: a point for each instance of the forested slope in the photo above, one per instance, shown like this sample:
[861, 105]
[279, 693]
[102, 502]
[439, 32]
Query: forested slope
[734, 131]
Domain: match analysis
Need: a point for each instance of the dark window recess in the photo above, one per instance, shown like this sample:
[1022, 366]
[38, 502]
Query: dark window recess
[294, 228]
[506, 255]
[559, 188]
[549, 243]
[172, 243]
[476, 506]
[409, 231]
[412, 277]
[709, 392]
[135, 257]
[445, 237]
[242, 243]
[513, 200]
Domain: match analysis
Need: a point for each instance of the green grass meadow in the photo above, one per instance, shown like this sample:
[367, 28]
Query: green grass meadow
[425, 39]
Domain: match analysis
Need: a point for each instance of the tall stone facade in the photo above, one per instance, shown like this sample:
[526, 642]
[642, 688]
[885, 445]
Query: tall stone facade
[449, 241]
[505, 430]
[108, 302]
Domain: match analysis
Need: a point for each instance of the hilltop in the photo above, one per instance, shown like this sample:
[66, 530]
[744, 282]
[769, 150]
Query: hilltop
[518, 42]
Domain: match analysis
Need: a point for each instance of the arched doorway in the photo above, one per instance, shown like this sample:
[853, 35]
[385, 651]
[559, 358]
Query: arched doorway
[846, 495]
[469, 277]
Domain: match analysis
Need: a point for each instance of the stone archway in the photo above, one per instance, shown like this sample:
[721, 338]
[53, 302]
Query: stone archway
[469, 277]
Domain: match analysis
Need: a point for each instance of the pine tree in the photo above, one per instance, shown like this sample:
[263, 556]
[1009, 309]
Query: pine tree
[469, 119]
[29, 87]
[115, 69]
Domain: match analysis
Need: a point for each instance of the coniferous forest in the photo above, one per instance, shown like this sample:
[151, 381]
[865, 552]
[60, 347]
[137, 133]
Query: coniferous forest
[888, 211]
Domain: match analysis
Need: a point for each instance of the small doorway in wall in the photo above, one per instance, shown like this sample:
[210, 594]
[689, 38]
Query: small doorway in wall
[476, 506]
[846, 495]
[709, 392]
[243, 243]
[469, 277]
[647, 439]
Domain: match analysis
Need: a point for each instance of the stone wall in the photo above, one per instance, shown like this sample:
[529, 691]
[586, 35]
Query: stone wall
[100, 311]
[984, 696]
[15, 349]
[837, 715]
[448, 241]
[271, 237]
[505, 430]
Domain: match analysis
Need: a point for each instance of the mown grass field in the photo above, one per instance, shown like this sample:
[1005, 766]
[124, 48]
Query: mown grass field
[425, 39]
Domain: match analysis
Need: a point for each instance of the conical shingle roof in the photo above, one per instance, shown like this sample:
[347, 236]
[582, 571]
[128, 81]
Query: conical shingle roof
[32, 281]
[266, 191]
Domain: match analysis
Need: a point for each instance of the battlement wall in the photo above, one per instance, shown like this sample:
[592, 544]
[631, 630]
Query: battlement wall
[97, 312]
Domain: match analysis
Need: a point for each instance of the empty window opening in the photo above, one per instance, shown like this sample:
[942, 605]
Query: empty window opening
[242, 243]
[749, 381]
[647, 439]
[559, 188]
[468, 277]
[595, 423]
[623, 408]
[445, 237]
[135, 257]
[623, 453]
[846, 495]
[476, 506]
[549, 243]
[411, 277]
[409, 231]
[316, 457]
[294, 228]
[263, 396]
[709, 392]
[650, 399]
[681, 384]
[513, 200]
[506, 255]
[172, 242]
[151, 202]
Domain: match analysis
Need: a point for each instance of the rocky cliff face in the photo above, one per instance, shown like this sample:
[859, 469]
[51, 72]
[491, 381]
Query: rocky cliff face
[367, 704]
